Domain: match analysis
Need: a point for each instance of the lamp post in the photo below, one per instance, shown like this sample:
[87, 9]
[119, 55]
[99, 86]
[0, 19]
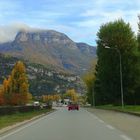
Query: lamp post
[93, 97]
[121, 80]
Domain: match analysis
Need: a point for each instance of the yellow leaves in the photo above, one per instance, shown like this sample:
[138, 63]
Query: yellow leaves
[48, 98]
[56, 97]
[89, 79]
[19, 67]
[71, 93]
[19, 78]
[15, 88]
[1, 96]
[23, 88]
[5, 85]
[29, 96]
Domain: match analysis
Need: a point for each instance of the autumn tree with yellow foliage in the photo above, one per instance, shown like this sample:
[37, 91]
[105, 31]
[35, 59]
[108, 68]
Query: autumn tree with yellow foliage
[16, 87]
[7, 91]
[72, 95]
[89, 80]
[50, 98]
[1, 96]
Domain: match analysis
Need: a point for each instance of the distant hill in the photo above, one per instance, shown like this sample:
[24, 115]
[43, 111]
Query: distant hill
[42, 80]
[51, 48]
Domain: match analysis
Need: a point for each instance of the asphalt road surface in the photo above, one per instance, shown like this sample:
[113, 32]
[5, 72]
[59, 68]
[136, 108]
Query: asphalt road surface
[66, 125]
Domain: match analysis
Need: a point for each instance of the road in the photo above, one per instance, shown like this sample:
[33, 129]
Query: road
[66, 125]
[129, 124]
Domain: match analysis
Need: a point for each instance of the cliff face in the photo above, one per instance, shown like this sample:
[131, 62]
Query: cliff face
[42, 80]
[51, 48]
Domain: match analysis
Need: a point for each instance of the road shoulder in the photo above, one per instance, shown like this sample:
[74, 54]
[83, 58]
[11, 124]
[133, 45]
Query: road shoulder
[129, 124]
[19, 124]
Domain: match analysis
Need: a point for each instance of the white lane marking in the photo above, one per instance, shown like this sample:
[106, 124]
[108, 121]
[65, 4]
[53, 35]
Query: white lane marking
[19, 129]
[110, 127]
[95, 117]
[122, 136]
[125, 137]
[101, 121]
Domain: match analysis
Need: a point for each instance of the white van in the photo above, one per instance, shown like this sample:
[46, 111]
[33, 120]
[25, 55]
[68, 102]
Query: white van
[36, 103]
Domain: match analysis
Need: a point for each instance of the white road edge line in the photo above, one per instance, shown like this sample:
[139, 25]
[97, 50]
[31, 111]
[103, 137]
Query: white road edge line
[101, 121]
[19, 129]
[125, 137]
[110, 127]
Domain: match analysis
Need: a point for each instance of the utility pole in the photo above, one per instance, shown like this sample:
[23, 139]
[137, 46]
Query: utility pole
[121, 80]
[93, 97]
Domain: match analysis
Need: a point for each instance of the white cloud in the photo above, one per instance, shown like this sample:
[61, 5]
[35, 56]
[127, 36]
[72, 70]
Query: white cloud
[111, 15]
[79, 19]
[8, 32]
[94, 18]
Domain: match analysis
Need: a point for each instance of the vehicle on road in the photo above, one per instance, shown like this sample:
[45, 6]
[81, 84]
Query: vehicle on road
[73, 106]
[36, 103]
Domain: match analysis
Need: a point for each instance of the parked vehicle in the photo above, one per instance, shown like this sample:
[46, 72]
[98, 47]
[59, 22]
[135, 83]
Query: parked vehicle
[36, 103]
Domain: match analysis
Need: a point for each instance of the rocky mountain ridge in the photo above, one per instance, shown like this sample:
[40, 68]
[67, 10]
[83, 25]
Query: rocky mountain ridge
[51, 48]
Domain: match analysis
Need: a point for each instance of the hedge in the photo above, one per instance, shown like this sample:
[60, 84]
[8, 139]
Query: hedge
[8, 110]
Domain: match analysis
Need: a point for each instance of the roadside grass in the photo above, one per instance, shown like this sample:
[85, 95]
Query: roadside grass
[9, 120]
[126, 108]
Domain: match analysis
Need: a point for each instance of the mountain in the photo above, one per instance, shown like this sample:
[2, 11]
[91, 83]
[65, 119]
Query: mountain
[51, 48]
[86, 49]
[42, 80]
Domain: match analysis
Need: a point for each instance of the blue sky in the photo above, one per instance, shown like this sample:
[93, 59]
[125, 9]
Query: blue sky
[79, 19]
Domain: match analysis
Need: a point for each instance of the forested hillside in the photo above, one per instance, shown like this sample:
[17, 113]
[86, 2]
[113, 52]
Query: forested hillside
[42, 80]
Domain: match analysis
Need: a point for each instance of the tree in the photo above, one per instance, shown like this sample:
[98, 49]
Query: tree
[16, 87]
[138, 36]
[137, 93]
[56, 97]
[29, 97]
[119, 37]
[72, 95]
[2, 102]
[50, 98]
[7, 90]
[89, 79]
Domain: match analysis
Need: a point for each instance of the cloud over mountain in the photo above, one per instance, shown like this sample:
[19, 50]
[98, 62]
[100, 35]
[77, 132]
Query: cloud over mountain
[80, 19]
[51, 48]
[8, 32]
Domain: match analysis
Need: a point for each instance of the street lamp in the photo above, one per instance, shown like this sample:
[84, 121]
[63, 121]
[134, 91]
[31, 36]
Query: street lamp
[93, 97]
[121, 80]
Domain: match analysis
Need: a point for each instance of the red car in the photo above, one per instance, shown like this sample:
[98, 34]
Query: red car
[73, 107]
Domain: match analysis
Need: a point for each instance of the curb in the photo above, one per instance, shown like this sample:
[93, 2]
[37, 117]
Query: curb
[19, 124]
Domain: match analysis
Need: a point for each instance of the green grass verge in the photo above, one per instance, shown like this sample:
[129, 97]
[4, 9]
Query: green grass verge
[127, 108]
[8, 120]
